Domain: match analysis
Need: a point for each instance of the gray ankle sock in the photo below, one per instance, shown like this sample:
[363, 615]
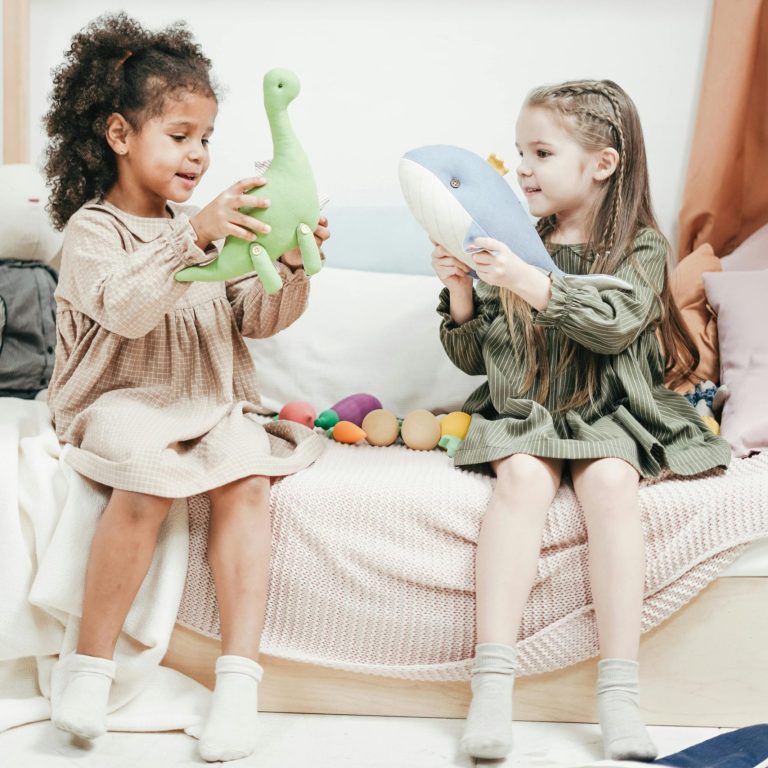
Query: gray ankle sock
[618, 695]
[488, 732]
[82, 708]
[229, 732]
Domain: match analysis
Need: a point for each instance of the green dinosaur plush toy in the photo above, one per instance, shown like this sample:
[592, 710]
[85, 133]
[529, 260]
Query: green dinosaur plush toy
[295, 209]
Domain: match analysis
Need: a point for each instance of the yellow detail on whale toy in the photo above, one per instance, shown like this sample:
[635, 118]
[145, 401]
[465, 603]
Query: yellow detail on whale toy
[497, 164]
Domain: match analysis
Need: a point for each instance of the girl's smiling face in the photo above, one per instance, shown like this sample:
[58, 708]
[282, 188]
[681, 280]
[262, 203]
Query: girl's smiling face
[168, 156]
[557, 175]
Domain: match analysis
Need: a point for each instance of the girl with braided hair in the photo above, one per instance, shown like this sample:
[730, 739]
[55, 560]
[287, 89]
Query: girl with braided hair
[153, 388]
[575, 383]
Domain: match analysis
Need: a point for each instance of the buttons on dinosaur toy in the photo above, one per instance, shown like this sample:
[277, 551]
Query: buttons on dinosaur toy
[304, 229]
[455, 183]
[256, 249]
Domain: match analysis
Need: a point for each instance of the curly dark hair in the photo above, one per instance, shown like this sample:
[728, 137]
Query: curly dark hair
[113, 65]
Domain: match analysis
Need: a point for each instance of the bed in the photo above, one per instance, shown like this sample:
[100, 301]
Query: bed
[402, 568]
[704, 665]
[703, 654]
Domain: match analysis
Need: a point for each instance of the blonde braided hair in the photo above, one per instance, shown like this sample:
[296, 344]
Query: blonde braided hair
[599, 114]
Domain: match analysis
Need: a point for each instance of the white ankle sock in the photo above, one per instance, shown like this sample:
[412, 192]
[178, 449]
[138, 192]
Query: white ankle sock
[82, 708]
[488, 732]
[618, 698]
[229, 732]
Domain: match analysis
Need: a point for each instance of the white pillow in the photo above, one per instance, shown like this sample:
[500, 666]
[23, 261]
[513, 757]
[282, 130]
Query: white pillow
[371, 332]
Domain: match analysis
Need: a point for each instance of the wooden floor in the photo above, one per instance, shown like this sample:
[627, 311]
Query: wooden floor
[705, 666]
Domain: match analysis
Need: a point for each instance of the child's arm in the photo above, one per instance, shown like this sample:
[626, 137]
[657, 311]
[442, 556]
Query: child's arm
[295, 259]
[608, 321]
[126, 293]
[463, 343]
[465, 322]
[259, 314]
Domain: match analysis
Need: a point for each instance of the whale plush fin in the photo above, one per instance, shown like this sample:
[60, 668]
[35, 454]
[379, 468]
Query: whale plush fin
[545, 264]
[601, 282]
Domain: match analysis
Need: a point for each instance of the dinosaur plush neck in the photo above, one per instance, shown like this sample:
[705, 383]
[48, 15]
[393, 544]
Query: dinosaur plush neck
[295, 209]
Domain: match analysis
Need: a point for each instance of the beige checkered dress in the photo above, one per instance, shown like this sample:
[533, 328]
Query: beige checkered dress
[635, 417]
[153, 389]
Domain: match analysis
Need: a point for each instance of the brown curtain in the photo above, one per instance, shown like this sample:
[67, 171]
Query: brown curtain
[726, 190]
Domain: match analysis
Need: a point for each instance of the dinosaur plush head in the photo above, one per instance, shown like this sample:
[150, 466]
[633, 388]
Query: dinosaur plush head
[281, 87]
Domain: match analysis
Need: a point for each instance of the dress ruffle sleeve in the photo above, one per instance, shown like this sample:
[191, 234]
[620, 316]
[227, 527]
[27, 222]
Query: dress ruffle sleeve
[608, 321]
[259, 314]
[464, 343]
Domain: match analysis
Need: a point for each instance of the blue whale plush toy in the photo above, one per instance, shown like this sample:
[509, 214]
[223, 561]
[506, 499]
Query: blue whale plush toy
[456, 196]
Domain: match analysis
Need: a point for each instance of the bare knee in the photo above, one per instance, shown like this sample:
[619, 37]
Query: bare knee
[521, 471]
[254, 491]
[519, 468]
[607, 484]
[246, 493]
[140, 509]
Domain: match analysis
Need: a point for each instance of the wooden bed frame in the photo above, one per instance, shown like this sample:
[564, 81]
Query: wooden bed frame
[15, 81]
[693, 673]
[693, 665]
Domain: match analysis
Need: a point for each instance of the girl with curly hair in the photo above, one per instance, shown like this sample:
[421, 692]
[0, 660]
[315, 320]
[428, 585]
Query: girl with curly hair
[153, 390]
[575, 385]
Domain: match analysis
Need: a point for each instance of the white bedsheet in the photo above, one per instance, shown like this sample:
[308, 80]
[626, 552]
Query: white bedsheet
[753, 561]
[47, 517]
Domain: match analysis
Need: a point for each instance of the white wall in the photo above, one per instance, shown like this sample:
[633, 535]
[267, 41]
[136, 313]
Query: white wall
[380, 77]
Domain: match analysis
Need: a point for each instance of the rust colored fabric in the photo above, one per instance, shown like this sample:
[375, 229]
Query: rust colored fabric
[686, 282]
[726, 194]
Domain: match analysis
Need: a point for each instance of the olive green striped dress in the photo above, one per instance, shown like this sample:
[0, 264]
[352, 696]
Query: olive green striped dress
[634, 416]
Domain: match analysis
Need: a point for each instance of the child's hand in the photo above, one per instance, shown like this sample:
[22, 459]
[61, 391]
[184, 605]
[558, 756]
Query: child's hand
[495, 263]
[453, 273]
[292, 258]
[222, 216]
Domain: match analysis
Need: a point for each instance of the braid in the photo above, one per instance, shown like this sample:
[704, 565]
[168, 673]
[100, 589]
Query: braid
[613, 118]
[618, 200]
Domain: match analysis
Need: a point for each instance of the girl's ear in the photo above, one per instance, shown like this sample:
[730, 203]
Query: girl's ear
[117, 133]
[607, 162]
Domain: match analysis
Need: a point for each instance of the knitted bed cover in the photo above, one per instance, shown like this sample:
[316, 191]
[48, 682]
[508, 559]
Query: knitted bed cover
[373, 561]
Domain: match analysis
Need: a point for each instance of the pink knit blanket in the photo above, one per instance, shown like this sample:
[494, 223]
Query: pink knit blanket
[373, 561]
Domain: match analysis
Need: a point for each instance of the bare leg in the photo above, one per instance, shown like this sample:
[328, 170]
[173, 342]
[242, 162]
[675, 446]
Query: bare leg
[239, 550]
[607, 490]
[507, 553]
[510, 541]
[121, 553]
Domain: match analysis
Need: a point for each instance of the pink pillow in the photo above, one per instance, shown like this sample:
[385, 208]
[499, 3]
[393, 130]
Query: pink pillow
[751, 254]
[739, 299]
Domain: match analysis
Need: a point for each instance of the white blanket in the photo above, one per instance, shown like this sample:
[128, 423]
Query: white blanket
[48, 514]
[373, 561]
[371, 570]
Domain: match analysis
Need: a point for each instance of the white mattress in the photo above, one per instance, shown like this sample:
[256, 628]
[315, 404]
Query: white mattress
[752, 562]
